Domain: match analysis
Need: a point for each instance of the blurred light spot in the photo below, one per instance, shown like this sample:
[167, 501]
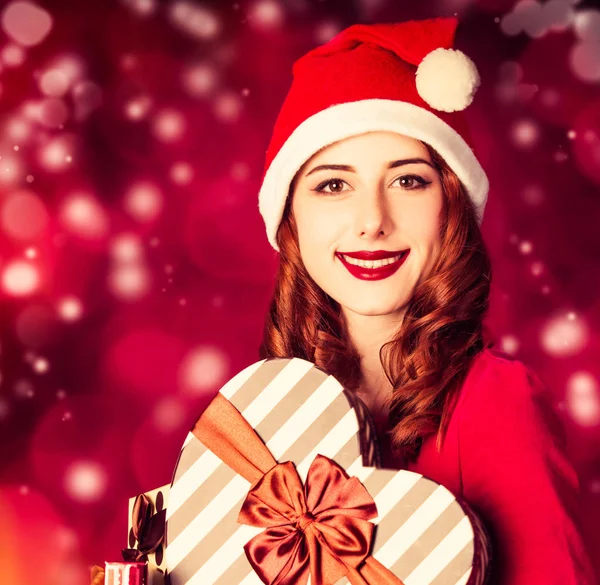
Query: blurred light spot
[228, 107]
[168, 125]
[57, 153]
[325, 31]
[128, 62]
[141, 7]
[562, 336]
[138, 108]
[87, 96]
[17, 129]
[70, 66]
[11, 169]
[19, 278]
[182, 302]
[127, 248]
[587, 24]
[24, 215]
[67, 416]
[169, 415]
[41, 365]
[266, 14]
[54, 83]
[84, 216]
[245, 92]
[537, 19]
[24, 389]
[546, 290]
[525, 133]
[31, 110]
[53, 112]
[199, 79]
[583, 401]
[549, 97]
[35, 327]
[560, 156]
[24, 490]
[181, 173]
[29, 178]
[585, 60]
[510, 344]
[143, 201]
[85, 481]
[525, 247]
[26, 23]
[31, 253]
[194, 20]
[69, 309]
[13, 56]
[533, 195]
[240, 171]
[571, 134]
[129, 281]
[66, 539]
[203, 369]
[61, 394]
[537, 268]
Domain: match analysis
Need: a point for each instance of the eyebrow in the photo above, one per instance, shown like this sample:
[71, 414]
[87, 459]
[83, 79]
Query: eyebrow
[392, 165]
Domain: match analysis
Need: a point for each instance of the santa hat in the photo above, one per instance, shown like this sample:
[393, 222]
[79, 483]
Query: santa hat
[403, 78]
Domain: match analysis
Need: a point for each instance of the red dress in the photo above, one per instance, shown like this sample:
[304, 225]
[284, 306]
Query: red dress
[504, 454]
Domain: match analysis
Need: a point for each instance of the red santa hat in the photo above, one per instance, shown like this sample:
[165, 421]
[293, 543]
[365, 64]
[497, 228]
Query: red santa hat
[403, 78]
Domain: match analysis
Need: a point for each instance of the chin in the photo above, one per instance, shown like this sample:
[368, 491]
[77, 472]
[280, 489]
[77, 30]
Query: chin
[376, 310]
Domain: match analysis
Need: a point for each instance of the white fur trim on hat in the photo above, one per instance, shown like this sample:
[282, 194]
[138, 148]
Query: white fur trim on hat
[447, 80]
[351, 119]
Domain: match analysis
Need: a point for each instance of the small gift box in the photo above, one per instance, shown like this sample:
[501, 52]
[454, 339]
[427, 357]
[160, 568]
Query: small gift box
[125, 573]
[276, 484]
[146, 529]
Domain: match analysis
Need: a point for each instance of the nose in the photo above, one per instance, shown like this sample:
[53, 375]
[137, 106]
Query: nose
[373, 218]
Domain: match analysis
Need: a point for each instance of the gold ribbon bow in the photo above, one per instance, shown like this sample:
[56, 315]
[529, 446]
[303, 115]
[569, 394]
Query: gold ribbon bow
[320, 529]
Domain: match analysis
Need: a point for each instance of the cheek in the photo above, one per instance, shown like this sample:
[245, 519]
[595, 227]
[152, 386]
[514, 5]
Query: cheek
[315, 227]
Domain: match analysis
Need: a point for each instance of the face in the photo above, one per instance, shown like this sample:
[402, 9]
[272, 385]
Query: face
[373, 192]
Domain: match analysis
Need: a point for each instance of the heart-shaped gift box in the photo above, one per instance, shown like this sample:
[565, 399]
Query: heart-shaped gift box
[277, 483]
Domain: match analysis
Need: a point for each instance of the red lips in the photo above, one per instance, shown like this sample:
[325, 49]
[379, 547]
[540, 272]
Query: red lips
[379, 273]
[375, 255]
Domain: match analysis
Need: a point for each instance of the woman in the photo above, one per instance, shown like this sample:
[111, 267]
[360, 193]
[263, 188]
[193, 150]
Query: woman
[373, 196]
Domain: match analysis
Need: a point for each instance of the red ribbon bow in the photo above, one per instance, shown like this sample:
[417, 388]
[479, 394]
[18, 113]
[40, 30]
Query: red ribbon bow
[320, 529]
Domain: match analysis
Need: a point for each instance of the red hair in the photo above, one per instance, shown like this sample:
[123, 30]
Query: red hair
[431, 353]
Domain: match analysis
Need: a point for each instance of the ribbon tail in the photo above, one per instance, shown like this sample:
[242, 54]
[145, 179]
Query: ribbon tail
[223, 429]
[374, 573]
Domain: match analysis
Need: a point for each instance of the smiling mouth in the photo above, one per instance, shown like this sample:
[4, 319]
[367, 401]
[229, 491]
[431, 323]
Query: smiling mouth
[373, 269]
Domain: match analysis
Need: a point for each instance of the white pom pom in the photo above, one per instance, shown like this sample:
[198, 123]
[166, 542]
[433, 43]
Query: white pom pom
[447, 80]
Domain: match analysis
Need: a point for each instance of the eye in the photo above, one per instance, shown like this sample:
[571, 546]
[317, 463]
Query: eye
[410, 182]
[335, 186]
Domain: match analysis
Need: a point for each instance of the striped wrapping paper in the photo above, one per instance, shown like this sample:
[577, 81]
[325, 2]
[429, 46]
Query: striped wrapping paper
[423, 534]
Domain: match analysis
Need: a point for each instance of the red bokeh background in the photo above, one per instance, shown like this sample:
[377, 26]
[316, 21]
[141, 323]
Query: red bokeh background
[134, 268]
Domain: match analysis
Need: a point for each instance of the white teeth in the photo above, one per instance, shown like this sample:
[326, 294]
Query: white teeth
[371, 263]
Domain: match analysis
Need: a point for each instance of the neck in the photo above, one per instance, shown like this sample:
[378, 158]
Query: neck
[368, 333]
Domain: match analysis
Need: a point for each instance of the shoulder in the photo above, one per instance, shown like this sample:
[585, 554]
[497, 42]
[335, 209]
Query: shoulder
[504, 394]
[495, 376]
